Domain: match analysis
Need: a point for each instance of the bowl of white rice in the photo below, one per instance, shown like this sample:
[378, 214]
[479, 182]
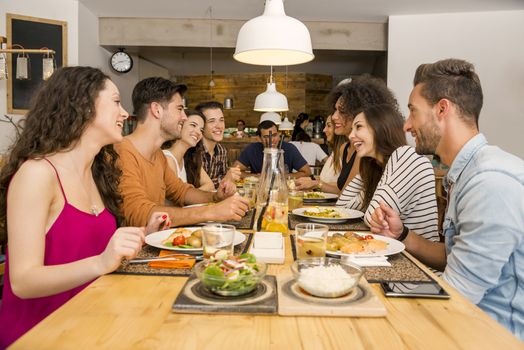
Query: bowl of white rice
[326, 277]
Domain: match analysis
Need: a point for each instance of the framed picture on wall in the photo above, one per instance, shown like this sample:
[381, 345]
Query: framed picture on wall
[32, 33]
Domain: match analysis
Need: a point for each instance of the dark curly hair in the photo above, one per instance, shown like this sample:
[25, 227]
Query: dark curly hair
[60, 113]
[193, 156]
[359, 93]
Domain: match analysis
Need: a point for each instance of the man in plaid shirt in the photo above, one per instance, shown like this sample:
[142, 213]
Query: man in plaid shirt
[214, 159]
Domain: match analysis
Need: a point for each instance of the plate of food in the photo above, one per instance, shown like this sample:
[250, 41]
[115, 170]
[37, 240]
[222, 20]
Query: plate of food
[319, 196]
[328, 215]
[361, 244]
[183, 239]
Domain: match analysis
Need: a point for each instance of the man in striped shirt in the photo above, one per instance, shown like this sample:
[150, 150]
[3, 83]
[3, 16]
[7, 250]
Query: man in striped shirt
[483, 253]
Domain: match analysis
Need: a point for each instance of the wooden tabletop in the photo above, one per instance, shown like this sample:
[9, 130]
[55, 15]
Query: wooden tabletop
[134, 312]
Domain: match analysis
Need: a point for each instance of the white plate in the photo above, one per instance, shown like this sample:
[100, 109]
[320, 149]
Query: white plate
[198, 205]
[326, 197]
[155, 240]
[345, 214]
[394, 246]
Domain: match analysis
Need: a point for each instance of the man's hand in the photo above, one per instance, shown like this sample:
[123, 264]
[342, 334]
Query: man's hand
[233, 208]
[225, 190]
[385, 221]
[233, 174]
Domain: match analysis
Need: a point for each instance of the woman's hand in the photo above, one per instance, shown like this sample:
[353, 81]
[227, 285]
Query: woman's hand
[158, 221]
[126, 242]
[305, 183]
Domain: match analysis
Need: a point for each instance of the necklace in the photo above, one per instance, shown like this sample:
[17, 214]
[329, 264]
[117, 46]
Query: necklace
[93, 209]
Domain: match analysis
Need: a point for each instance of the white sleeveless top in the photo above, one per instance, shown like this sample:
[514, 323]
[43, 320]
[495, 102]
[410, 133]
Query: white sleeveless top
[181, 172]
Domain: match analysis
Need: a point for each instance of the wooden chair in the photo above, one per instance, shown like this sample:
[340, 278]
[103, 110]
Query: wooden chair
[442, 202]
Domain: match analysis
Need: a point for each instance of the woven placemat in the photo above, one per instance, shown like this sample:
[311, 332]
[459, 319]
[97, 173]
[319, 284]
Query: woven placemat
[402, 269]
[149, 252]
[350, 225]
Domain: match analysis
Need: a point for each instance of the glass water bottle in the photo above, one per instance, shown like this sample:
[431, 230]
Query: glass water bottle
[272, 194]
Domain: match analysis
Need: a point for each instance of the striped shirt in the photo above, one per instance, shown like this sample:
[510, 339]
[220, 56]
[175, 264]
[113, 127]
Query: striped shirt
[407, 185]
[215, 165]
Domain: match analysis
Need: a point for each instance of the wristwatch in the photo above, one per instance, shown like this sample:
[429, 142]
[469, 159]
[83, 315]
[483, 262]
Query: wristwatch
[404, 234]
[319, 186]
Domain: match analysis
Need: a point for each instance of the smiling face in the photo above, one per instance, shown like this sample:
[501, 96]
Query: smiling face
[215, 125]
[341, 122]
[329, 130]
[172, 117]
[109, 113]
[422, 123]
[363, 137]
[192, 130]
[275, 137]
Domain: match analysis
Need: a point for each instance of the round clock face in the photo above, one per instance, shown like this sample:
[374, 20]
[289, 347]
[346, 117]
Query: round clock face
[121, 62]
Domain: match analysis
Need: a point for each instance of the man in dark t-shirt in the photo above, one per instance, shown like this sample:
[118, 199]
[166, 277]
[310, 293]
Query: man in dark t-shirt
[253, 155]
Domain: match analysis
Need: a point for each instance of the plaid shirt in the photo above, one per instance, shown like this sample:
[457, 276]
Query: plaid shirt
[215, 165]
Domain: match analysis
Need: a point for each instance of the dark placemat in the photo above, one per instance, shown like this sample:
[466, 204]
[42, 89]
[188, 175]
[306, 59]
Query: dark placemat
[350, 225]
[149, 252]
[195, 298]
[323, 202]
[401, 269]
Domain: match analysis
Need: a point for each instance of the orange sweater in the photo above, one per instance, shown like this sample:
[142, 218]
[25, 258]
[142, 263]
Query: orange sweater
[145, 184]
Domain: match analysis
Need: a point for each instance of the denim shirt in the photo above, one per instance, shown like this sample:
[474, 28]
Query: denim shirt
[484, 231]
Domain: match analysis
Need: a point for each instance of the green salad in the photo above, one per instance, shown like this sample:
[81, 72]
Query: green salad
[232, 275]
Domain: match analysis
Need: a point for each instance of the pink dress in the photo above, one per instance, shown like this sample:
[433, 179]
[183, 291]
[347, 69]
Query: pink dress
[75, 235]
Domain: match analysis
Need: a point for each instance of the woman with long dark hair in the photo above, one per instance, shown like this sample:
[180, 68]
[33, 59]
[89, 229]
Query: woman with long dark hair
[391, 172]
[59, 204]
[184, 156]
[300, 125]
[331, 169]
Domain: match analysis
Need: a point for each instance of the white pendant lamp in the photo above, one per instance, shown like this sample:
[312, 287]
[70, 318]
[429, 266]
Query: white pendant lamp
[273, 39]
[286, 125]
[271, 100]
[271, 116]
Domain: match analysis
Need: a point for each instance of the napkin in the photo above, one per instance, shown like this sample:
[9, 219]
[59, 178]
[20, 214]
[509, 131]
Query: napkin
[368, 261]
[174, 264]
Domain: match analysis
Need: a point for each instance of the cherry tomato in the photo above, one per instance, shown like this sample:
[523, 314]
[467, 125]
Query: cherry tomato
[179, 240]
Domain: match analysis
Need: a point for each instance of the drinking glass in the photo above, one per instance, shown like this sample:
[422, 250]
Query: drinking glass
[217, 240]
[295, 200]
[249, 192]
[311, 240]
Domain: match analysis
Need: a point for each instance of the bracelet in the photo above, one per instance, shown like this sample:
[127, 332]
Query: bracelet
[319, 186]
[404, 234]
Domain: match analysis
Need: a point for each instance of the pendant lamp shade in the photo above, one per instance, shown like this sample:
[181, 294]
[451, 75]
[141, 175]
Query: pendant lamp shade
[271, 100]
[286, 125]
[273, 39]
[272, 116]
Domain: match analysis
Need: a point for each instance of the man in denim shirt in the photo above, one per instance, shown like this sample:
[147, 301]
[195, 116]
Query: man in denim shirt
[483, 254]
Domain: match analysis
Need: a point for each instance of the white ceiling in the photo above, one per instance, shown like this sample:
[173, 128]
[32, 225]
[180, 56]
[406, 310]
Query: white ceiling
[306, 10]
[180, 61]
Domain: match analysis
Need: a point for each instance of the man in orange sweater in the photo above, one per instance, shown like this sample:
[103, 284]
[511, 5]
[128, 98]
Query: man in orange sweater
[147, 181]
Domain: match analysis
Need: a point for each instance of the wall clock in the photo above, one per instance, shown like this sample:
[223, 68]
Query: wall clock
[121, 61]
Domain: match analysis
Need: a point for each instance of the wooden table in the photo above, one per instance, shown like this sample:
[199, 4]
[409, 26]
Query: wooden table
[134, 312]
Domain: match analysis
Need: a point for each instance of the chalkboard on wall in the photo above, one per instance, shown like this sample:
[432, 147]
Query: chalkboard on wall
[32, 33]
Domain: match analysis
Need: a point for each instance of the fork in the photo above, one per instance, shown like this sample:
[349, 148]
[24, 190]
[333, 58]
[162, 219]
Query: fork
[166, 258]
